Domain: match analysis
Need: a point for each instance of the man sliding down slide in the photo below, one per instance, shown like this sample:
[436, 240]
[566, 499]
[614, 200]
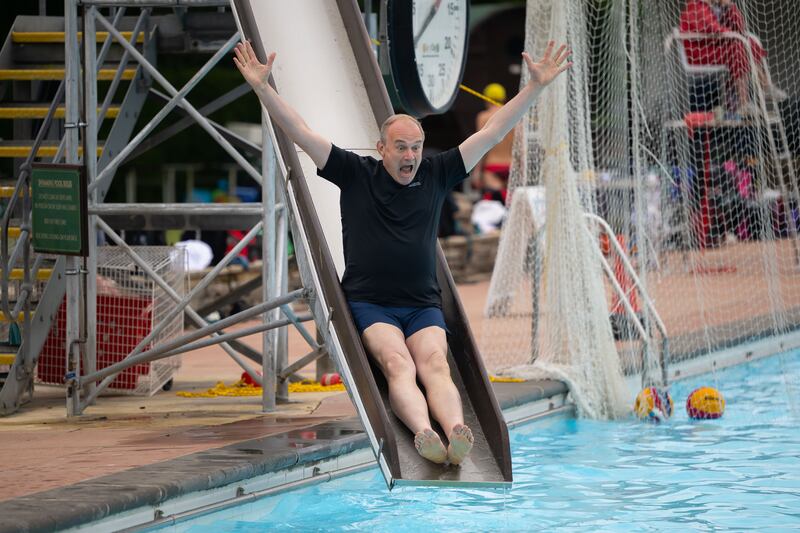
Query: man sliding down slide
[390, 212]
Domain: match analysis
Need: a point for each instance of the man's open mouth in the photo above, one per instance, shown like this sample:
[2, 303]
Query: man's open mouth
[407, 168]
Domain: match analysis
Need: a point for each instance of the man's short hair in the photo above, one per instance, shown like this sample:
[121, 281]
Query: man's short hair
[394, 118]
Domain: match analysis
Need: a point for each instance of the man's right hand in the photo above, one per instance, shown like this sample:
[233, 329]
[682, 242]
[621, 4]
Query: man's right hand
[254, 72]
[550, 65]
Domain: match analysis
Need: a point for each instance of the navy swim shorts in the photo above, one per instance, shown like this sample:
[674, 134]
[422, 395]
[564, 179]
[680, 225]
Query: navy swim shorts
[409, 320]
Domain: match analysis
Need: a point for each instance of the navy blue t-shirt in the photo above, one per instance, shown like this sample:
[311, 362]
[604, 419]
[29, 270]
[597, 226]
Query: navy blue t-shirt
[390, 229]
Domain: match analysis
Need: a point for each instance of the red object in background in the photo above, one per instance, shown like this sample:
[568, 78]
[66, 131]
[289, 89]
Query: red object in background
[330, 379]
[122, 322]
[625, 282]
[605, 244]
[233, 238]
[699, 17]
[247, 378]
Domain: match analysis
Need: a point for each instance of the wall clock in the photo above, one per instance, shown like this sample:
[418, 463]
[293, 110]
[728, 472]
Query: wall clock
[427, 52]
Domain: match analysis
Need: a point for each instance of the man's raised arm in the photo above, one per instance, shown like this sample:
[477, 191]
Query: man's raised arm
[256, 73]
[496, 128]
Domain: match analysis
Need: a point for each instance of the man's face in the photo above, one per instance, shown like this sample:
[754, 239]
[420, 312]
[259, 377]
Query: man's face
[402, 151]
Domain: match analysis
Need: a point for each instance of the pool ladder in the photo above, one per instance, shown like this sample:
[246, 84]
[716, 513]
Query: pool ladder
[635, 319]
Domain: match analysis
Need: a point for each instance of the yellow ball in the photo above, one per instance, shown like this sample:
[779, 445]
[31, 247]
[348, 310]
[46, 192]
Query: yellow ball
[496, 92]
[705, 403]
[653, 405]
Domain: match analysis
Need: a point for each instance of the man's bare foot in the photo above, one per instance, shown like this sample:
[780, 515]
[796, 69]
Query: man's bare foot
[430, 446]
[460, 444]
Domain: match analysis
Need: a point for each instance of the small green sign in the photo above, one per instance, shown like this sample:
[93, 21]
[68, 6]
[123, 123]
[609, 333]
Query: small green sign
[60, 220]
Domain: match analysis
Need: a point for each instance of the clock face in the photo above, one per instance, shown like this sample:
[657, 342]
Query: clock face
[427, 51]
[439, 29]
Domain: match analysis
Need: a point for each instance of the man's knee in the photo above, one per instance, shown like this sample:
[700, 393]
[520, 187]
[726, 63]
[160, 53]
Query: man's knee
[395, 366]
[434, 364]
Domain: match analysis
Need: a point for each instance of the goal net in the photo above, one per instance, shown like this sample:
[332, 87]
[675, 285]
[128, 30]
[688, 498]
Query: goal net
[683, 136]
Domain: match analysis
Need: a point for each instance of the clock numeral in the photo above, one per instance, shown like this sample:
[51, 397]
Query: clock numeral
[431, 80]
[448, 43]
[452, 7]
[441, 69]
[421, 69]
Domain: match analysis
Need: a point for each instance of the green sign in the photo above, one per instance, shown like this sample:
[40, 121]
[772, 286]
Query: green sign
[60, 221]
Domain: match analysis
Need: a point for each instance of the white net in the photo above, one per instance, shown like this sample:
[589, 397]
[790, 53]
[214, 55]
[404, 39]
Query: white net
[726, 145]
[679, 135]
[567, 334]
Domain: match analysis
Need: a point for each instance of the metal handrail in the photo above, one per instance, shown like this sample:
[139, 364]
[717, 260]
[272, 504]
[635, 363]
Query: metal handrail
[624, 300]
[623, 297]
[630, 270]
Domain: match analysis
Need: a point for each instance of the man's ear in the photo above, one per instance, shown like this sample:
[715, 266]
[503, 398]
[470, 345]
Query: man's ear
[379, 147]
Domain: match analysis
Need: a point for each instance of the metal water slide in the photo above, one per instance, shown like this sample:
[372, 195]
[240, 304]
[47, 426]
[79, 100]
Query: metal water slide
[326, 69]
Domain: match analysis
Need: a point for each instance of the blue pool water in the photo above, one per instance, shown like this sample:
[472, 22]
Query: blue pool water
[741, 472]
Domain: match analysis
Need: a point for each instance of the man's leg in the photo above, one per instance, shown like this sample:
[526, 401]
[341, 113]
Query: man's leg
[385, 343]
[428, 348]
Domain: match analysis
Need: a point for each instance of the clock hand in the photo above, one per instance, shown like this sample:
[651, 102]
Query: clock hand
[427, 22]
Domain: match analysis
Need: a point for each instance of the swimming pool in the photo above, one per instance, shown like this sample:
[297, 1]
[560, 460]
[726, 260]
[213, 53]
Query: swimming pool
[741, 472]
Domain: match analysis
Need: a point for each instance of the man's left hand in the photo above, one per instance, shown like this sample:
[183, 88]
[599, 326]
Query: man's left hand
[550, 66]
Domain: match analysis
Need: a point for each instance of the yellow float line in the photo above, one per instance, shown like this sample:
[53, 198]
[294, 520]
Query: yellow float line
[479, 95]
[14, 232]
[7, 358]
[44, 151]
[43, 274]
[58, 74]
[58, 36]
[243, 389]
[501, 379]
[41, 112]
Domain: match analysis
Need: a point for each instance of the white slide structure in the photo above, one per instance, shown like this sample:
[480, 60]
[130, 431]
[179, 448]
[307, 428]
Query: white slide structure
[326, 70]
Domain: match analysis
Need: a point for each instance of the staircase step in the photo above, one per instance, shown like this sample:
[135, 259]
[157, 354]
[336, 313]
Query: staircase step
[18, 111]
[58, 74]
[4, 318]
[58, 36]
[43, 274]
[7, 358]
[7, 192]
[23, 148]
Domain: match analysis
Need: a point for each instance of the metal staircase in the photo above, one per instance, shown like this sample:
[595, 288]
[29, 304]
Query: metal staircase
[32, 70]
[103, 78]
